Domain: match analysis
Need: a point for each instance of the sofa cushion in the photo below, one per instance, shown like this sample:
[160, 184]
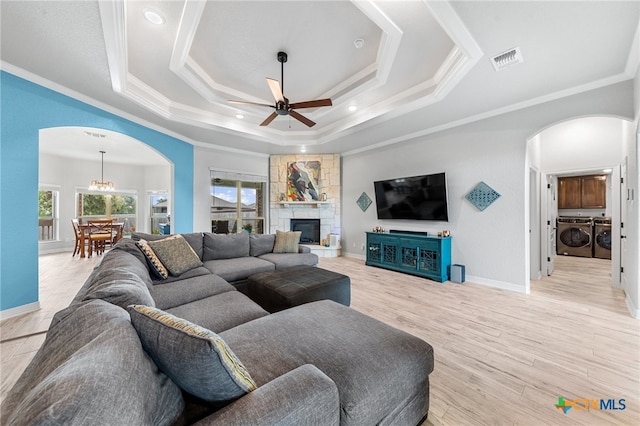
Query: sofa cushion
[261, 244]
[195, 272]
[194, 239]
[287, 242]
[176, 254]
[225, 246]
[376, 367]
[120, 287]
[92, 370]
[287, 260]
[304, 249]
[129, 246]
[155, 265]
[168, 295]
[119, 279]
[239, 268]
[304, 396]
[195, 358]
[221, 311]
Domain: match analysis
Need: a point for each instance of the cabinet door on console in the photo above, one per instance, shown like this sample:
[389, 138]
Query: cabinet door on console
[381, 249]
[409, 254]
[430, 257]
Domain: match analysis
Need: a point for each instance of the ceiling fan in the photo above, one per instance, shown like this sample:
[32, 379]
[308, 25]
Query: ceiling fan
[282, 105]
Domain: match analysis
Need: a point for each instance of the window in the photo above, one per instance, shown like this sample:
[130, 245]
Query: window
[237, 203]
[48, 214]
[159, 208]
[120, 205]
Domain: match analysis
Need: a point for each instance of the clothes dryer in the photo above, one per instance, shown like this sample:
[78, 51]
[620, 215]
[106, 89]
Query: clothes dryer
[575, 236]
[602, 237]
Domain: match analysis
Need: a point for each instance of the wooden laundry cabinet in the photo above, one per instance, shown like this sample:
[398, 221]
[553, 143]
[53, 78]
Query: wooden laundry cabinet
[582, 192]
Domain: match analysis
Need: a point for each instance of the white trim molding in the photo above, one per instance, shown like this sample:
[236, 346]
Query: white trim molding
[633, 309]
[496, 284]
[19, 310]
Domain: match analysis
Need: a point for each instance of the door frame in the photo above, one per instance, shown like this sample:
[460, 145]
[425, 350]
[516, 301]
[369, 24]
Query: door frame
[548, 216]
[615, 221]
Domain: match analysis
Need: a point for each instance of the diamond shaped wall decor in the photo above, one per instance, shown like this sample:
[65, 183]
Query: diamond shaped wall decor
[482, 196]
[364, 201]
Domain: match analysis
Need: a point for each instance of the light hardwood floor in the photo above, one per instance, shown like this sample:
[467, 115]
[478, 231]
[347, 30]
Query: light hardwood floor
[502, 358]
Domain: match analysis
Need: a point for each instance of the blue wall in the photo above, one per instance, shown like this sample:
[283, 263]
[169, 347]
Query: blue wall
[25, 108]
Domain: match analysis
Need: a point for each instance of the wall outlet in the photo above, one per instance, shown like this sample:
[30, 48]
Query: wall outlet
[354, 245]
[362, 247]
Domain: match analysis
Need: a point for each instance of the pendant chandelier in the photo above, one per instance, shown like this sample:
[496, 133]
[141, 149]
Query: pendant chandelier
[101, 185]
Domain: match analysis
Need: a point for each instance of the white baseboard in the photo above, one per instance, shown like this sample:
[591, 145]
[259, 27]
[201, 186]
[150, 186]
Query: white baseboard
[497, 284]
[52, 248]
[476, 280]
[19, 310]
[633, 309]
[354, 255]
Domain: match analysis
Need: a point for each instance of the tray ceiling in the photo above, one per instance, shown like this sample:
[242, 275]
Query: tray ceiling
[422, 65]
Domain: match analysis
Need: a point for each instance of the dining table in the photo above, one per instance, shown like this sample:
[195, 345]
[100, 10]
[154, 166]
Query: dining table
[84, 232]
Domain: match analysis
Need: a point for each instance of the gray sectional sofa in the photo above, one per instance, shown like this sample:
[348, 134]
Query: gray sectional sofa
[316, 364]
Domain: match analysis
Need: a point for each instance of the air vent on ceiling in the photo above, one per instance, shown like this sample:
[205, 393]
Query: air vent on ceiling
[506, 59]
[94, 134]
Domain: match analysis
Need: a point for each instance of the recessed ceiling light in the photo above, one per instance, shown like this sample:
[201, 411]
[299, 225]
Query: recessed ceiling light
[607, 171]
[352, 108]
[153, 16]
[358, 43]
[239, 116]
[303, 149]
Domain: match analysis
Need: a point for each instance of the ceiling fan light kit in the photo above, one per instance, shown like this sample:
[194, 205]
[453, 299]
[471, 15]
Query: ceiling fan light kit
[282, 105]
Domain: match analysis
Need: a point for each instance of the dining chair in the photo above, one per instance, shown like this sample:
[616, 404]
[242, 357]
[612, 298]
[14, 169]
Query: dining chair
[79, 237]
[117, 232]
[100, 235]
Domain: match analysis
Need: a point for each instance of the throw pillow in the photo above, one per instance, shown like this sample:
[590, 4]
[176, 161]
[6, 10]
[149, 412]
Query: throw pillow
[194, 239]
[175, 254]
[287, 242]
[195, 358]
[152, 260]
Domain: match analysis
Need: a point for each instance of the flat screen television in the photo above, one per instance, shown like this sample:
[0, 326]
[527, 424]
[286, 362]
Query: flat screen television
[417, 198]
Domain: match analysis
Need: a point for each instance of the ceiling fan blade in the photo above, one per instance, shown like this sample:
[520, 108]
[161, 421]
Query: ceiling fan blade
[312, 104]
[274, 85]
[301, 118]
[249, 103]
[269, 119]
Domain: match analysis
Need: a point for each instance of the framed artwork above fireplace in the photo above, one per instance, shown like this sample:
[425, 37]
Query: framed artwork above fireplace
[303, 181]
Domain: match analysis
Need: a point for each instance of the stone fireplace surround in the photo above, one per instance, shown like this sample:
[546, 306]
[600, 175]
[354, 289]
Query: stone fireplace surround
[328, 212]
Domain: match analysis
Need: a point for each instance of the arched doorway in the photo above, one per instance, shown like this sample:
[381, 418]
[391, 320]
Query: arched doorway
[574, 150]
[33, 108]
[70, 157]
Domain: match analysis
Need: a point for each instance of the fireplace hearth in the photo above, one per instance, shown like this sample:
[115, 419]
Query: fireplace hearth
[309, 228]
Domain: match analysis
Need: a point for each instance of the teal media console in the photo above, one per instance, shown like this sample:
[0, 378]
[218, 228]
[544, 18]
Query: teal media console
[421, 255]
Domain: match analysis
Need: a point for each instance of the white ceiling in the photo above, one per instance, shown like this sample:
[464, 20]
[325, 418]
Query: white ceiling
[85, 143]
[424, 65]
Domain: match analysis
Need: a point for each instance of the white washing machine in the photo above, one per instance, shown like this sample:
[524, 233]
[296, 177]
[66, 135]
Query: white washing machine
[575, 236]
[602, 237]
